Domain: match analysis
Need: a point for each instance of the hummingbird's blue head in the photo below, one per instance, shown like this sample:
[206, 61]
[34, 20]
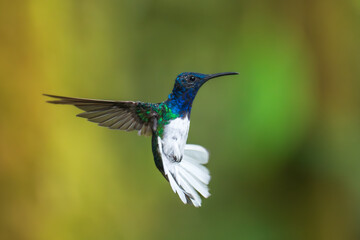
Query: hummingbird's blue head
[187, 84]
[193, 81]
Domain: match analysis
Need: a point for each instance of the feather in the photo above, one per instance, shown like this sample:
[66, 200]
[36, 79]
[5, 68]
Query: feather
[123, 115]
[197, 153]
[189, 176]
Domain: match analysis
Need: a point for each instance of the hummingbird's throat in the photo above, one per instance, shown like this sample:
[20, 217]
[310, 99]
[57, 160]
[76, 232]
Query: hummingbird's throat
[180, 100]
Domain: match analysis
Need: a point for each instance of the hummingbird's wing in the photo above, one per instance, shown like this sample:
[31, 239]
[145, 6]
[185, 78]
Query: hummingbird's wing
[123, 115]
[189, 176]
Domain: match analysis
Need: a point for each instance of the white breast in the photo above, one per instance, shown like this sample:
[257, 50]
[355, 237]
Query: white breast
[174, 138]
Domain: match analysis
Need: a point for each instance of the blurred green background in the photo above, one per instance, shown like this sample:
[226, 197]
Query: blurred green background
[284, 135]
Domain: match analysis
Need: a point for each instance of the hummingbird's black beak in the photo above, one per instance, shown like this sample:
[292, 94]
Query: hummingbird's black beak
[215, 75]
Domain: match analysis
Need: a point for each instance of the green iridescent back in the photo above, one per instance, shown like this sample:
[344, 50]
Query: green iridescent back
[164, 114]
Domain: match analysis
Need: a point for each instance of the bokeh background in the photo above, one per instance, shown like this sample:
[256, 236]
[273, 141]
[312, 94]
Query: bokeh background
[284, 135]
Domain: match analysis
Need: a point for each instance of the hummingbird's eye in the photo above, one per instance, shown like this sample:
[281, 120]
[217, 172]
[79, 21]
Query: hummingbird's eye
[192, 78]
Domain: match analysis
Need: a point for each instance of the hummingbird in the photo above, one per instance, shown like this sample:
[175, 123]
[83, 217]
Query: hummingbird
[168, 123]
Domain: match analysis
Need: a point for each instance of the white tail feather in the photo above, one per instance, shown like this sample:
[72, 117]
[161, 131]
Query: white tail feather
[197, 153]
[189, 176]
[201, 172]
[197, 184]
[176, 188]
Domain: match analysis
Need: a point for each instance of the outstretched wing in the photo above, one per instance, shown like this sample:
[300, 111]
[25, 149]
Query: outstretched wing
[122, 115]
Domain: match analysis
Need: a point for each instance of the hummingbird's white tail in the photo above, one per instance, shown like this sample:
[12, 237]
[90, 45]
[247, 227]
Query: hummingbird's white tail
[189, 176]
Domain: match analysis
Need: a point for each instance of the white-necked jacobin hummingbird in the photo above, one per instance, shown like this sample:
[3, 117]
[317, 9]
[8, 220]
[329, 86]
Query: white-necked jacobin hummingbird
[168, 122]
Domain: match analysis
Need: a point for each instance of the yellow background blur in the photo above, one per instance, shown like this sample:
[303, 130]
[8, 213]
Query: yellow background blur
[284, 135]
